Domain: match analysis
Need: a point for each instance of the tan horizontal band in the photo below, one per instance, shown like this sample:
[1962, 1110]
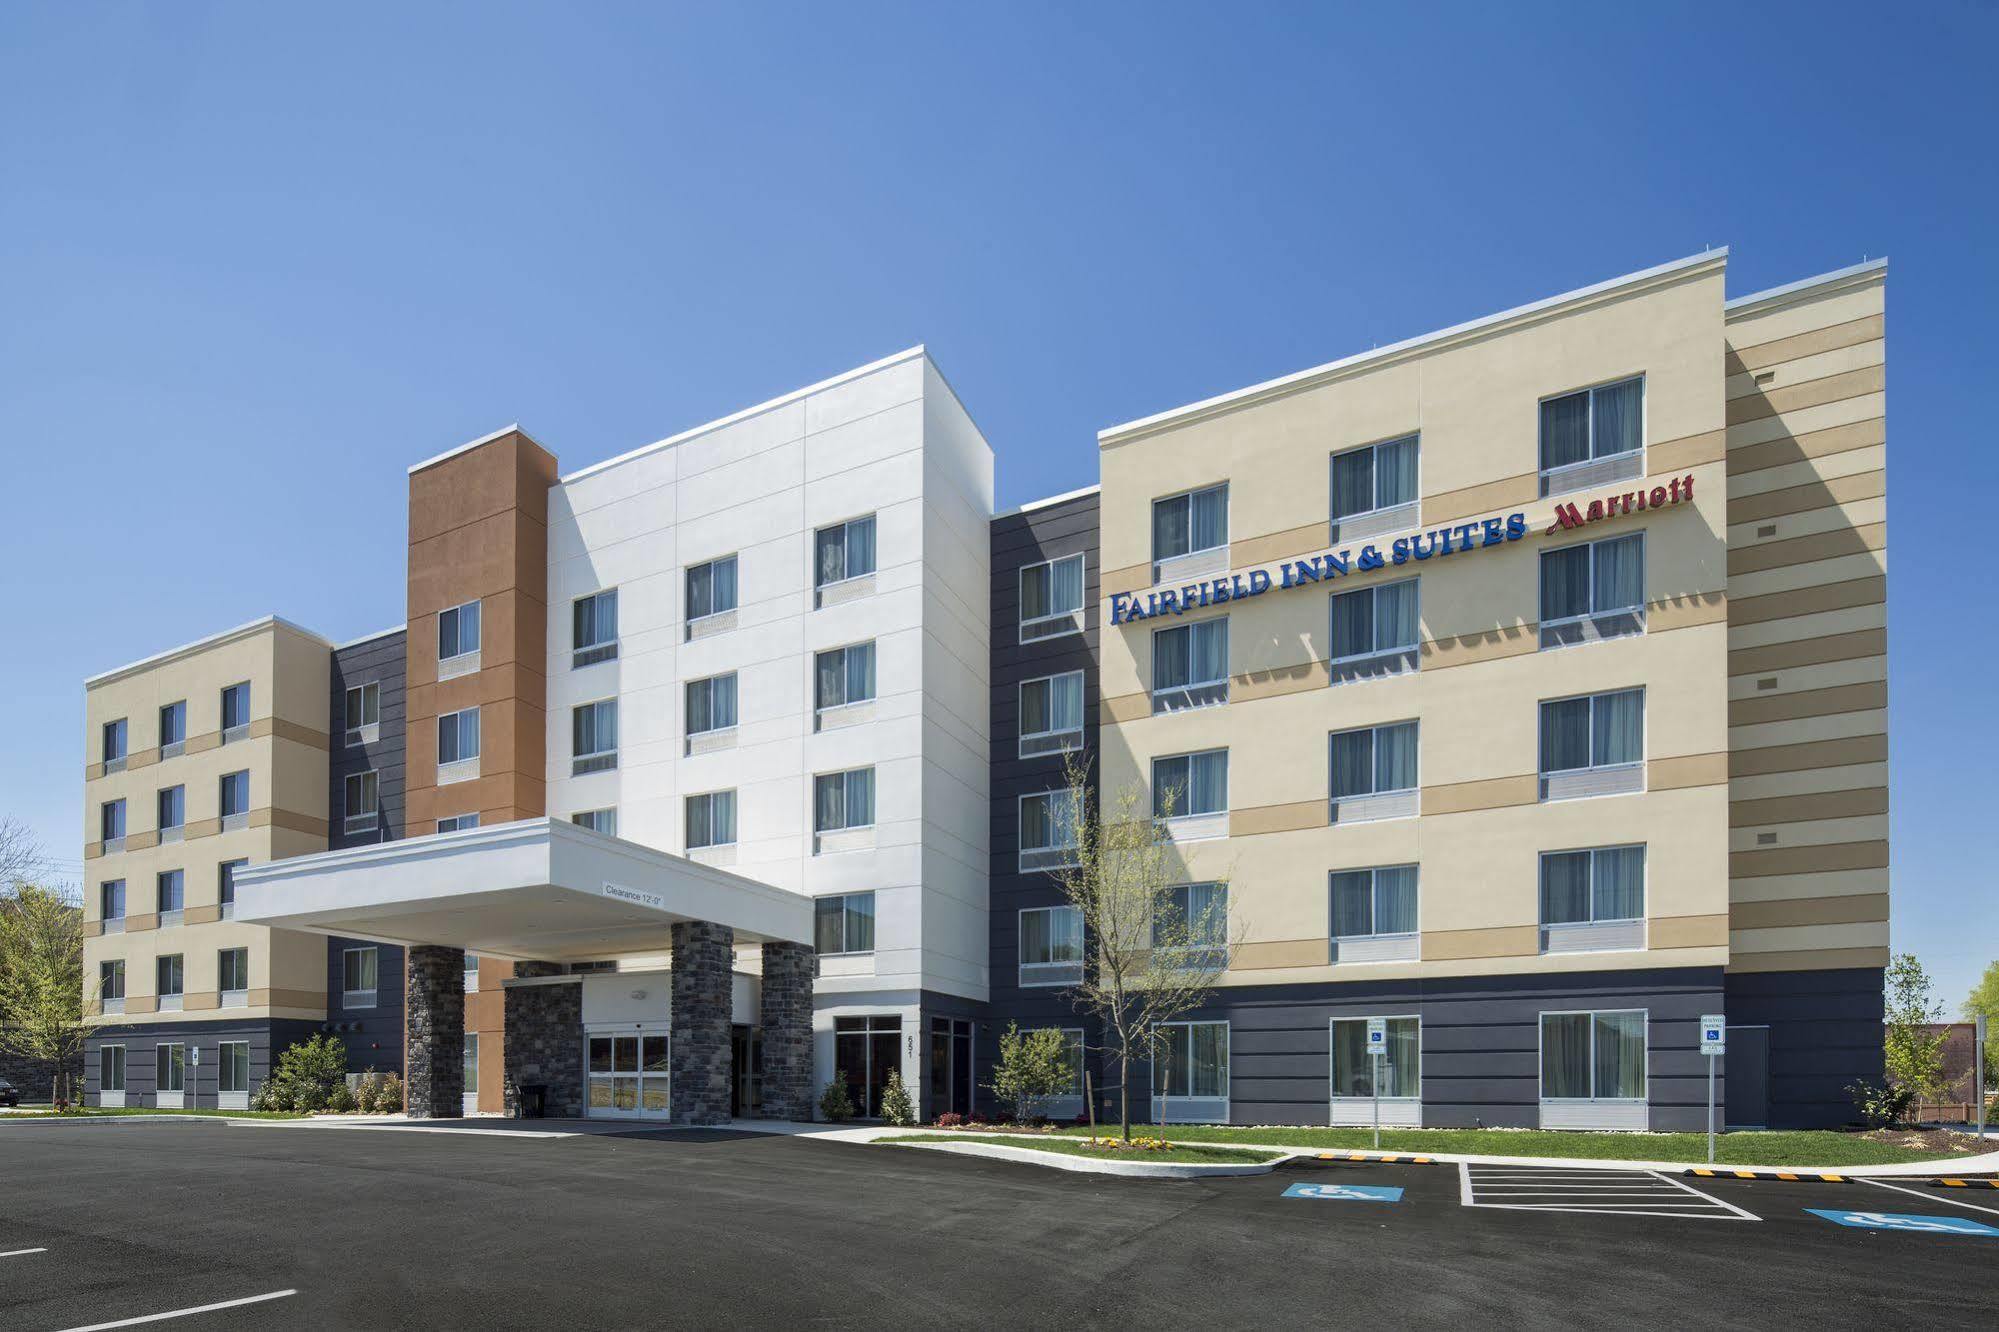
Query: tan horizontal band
[1269, 954]
[1823, 859]
[1280, 545]
[1686, 770]
[1812, 807]
[1824, 494]
[1811, 393]
[1509, 492]
[1786, 449]
[1857, 909]
[1687, 931]
[1869, 591]
[1680, 455]
[1808, 549]
[1492, 793]
[1813, 342]
[1278, 681]
[1863, 697]
[1463, 945]
[1856, 646]
[1820, 959]
[1841, 753]
[1294, 817]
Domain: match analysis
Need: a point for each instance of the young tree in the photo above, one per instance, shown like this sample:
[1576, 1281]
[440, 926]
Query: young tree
[1912, 1053]
[20, 854]
[1984, 998]
[41, 981]
[1033, 1066]
[1147, 962]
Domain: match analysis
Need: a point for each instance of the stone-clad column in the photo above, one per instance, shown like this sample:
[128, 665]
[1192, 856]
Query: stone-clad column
[436, 1023]
[545, 1039]
[703, 958]
[786, 1014]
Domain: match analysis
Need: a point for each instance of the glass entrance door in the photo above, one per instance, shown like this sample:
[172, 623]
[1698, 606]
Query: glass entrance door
[950, 1084]
[866, 1050]
[630, 1075]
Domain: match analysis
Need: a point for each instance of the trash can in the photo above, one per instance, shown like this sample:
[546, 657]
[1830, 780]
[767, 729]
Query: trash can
[533, 1102]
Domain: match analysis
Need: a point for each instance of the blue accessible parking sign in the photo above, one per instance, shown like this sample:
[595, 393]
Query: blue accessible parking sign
[1908, 1221]
[1344, 1192]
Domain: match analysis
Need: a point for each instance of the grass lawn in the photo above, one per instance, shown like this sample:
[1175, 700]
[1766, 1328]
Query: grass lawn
[1181, 1154]
[1746, 1148]
[95, 1112]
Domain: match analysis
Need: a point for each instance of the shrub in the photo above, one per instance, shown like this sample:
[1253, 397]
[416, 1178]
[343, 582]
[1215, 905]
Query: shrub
[834, 1103]
[309, 1070]
[1033, 1066]
[364, 1093]
[896, 1106]
[388, 1095]
[1882, 1105]
[950, 1119]
[309, 1099]
[341, 1099]
[273, 1096]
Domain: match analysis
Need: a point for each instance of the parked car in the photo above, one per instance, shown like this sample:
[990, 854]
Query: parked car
[9, 1093]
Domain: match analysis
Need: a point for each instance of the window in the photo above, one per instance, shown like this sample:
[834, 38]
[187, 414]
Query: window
[593, 633]
[111, 979]
[1592, 436]
[458, 823]
[597, 820]
[1353, 1072]
[1374, 631]
[1051, 714]
[844, 676]
[843, 800]
[1596, 1056]
[358, 970]
[171, 976]
[171, 806]
[458, 737]
[1190, 523]
[1072, 1057]
[1051, 946]
[232, 1074]
[1593, 899]
[711, 588]
[1051, 598]
[844, 924]
[171, 887]
[711, 704]
[235, 712]
[1193, 1062]
[1190, 665]
[1592, 591]
[458, 631]
[593, 737]
[1048, 830]
[111, 900]
[1374, 914]
[1374, 489]
[170, 1070]
[1373, 773]
[173, 728]
[225, 874]
[111, 1069]
[361, 712]
[232, 970]
[114, 745]
[1593, 745]
[233, 798]
[362, 802]
[111, 824]
[1189, 786]
[1191, 921]
[471, 1084]
[711, 819]
[843, 551]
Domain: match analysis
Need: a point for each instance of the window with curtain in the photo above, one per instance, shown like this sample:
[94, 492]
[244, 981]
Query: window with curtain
[1190, 665]
[597, 820]
[170, 887]
[114, 740]
[711, 588]
[111, 979]
[361, 708]
[232, 969]
[1189, 785]
[711, 704]
[232, 1073]
[233, 795]
[1602, 582]
[1185, 524]
[235, 707]
[111, 820]
[1051, 589]
[1051, 945]
[1353, 1066]
[844, 924]
[1594, 731]
[593, 736]
[1370, 902]
[170, 1067]
[1601, 422]
[172, 806]
[1048, 821]
[1374, 760]
[170, 973]
[711, 819]
[1190, 916]
[458, 631]
[593, 628]
[1601, 884]
[844, 675]
[1371, 621]
[1193, 1059]
[1053, 706]
[173, 724]
[361, 797]
[111, 899]
[225, 875]
[1598, 1056]
[844, 550]
[843, 800]
[458, 736]
[1377, 476]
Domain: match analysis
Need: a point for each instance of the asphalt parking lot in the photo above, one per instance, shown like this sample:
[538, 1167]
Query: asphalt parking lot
[372, 1229]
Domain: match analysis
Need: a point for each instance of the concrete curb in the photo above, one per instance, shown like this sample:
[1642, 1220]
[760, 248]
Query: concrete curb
[1085, 1166]
[125, 1119]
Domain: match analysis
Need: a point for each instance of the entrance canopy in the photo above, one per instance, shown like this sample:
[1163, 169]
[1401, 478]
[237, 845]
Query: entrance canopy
[538, 890]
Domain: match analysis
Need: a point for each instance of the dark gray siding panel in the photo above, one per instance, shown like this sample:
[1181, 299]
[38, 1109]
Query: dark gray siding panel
[267, 1038]
[373, 1036]
[379, 660]
[1825, 1035]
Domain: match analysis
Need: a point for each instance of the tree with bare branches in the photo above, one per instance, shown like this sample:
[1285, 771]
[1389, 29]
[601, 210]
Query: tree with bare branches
[1148, 960]
[20, 853]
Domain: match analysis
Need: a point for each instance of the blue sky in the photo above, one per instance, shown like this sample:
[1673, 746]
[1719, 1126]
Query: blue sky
[255, 260]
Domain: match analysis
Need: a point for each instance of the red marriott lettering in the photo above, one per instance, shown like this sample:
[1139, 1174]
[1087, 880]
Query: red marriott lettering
[1632, 501]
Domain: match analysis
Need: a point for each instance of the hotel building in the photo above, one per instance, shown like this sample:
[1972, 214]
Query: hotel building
[1522, 685]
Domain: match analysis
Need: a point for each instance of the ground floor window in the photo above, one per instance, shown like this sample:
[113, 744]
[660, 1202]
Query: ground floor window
[1598, 1056]
[170, 1069]
[951, 1071]
[1353, 1067]
[471, 1087]
[1190, 1072]
[111, 1068]
[630, 1073]
[866, 1050]
[233, 1067]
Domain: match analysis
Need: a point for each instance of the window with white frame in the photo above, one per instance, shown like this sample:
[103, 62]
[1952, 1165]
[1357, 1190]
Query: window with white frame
[170, 889]
[171, 807]
[114, 745]
[843, 800]
[361, 713]
[1051, 598]
[1190, 523]
[361, 806]
[843, 551]
[1190, 786]
[1190, 923]
[235, 712]
[233, 799]
[1374, 489]
[457, 823]
[1192, 1063]
[458, 632]
[593, 737]
[1072, 1060]
[111, 980]
[111, 824]
[711, 704]
[111, 1069]
[170, 1069]
[358, 975]
[1051, 946]
[593, 628]
[597, 820]
[1593, 899]
[1592, 436]
[1375, 631]
[1593, 1056]
[1354, 1065]
[232, 1075]
[173, 728]
[1374, 914]
[711, 819]
[111, 900]
[711, 588]
[458, 737]
[232, 974]
[1373, 773]
[225, 885]
[1049, 829]
[170, 976]
[843, 924]
[1190, 665]
[1051, 714]
[1593, 590]
[1593, 744]
[843, 676]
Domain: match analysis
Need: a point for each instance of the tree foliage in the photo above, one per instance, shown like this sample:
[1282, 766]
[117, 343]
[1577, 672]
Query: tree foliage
[1984, 998]
[1912, 1050]
[1033, 1066]
[41, 981]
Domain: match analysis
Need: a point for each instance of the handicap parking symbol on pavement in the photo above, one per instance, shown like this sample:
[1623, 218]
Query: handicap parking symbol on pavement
[1345, 1192]
[1908, 1221]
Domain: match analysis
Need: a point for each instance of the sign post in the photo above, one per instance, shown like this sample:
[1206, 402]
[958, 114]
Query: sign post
[1978, 1069]
[1377, 1049]
[1714, 1044]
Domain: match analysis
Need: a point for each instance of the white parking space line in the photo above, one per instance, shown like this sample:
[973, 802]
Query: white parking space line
[185, 1313]
[1594, 1192]
[1935, 1196]
[21, 1253]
